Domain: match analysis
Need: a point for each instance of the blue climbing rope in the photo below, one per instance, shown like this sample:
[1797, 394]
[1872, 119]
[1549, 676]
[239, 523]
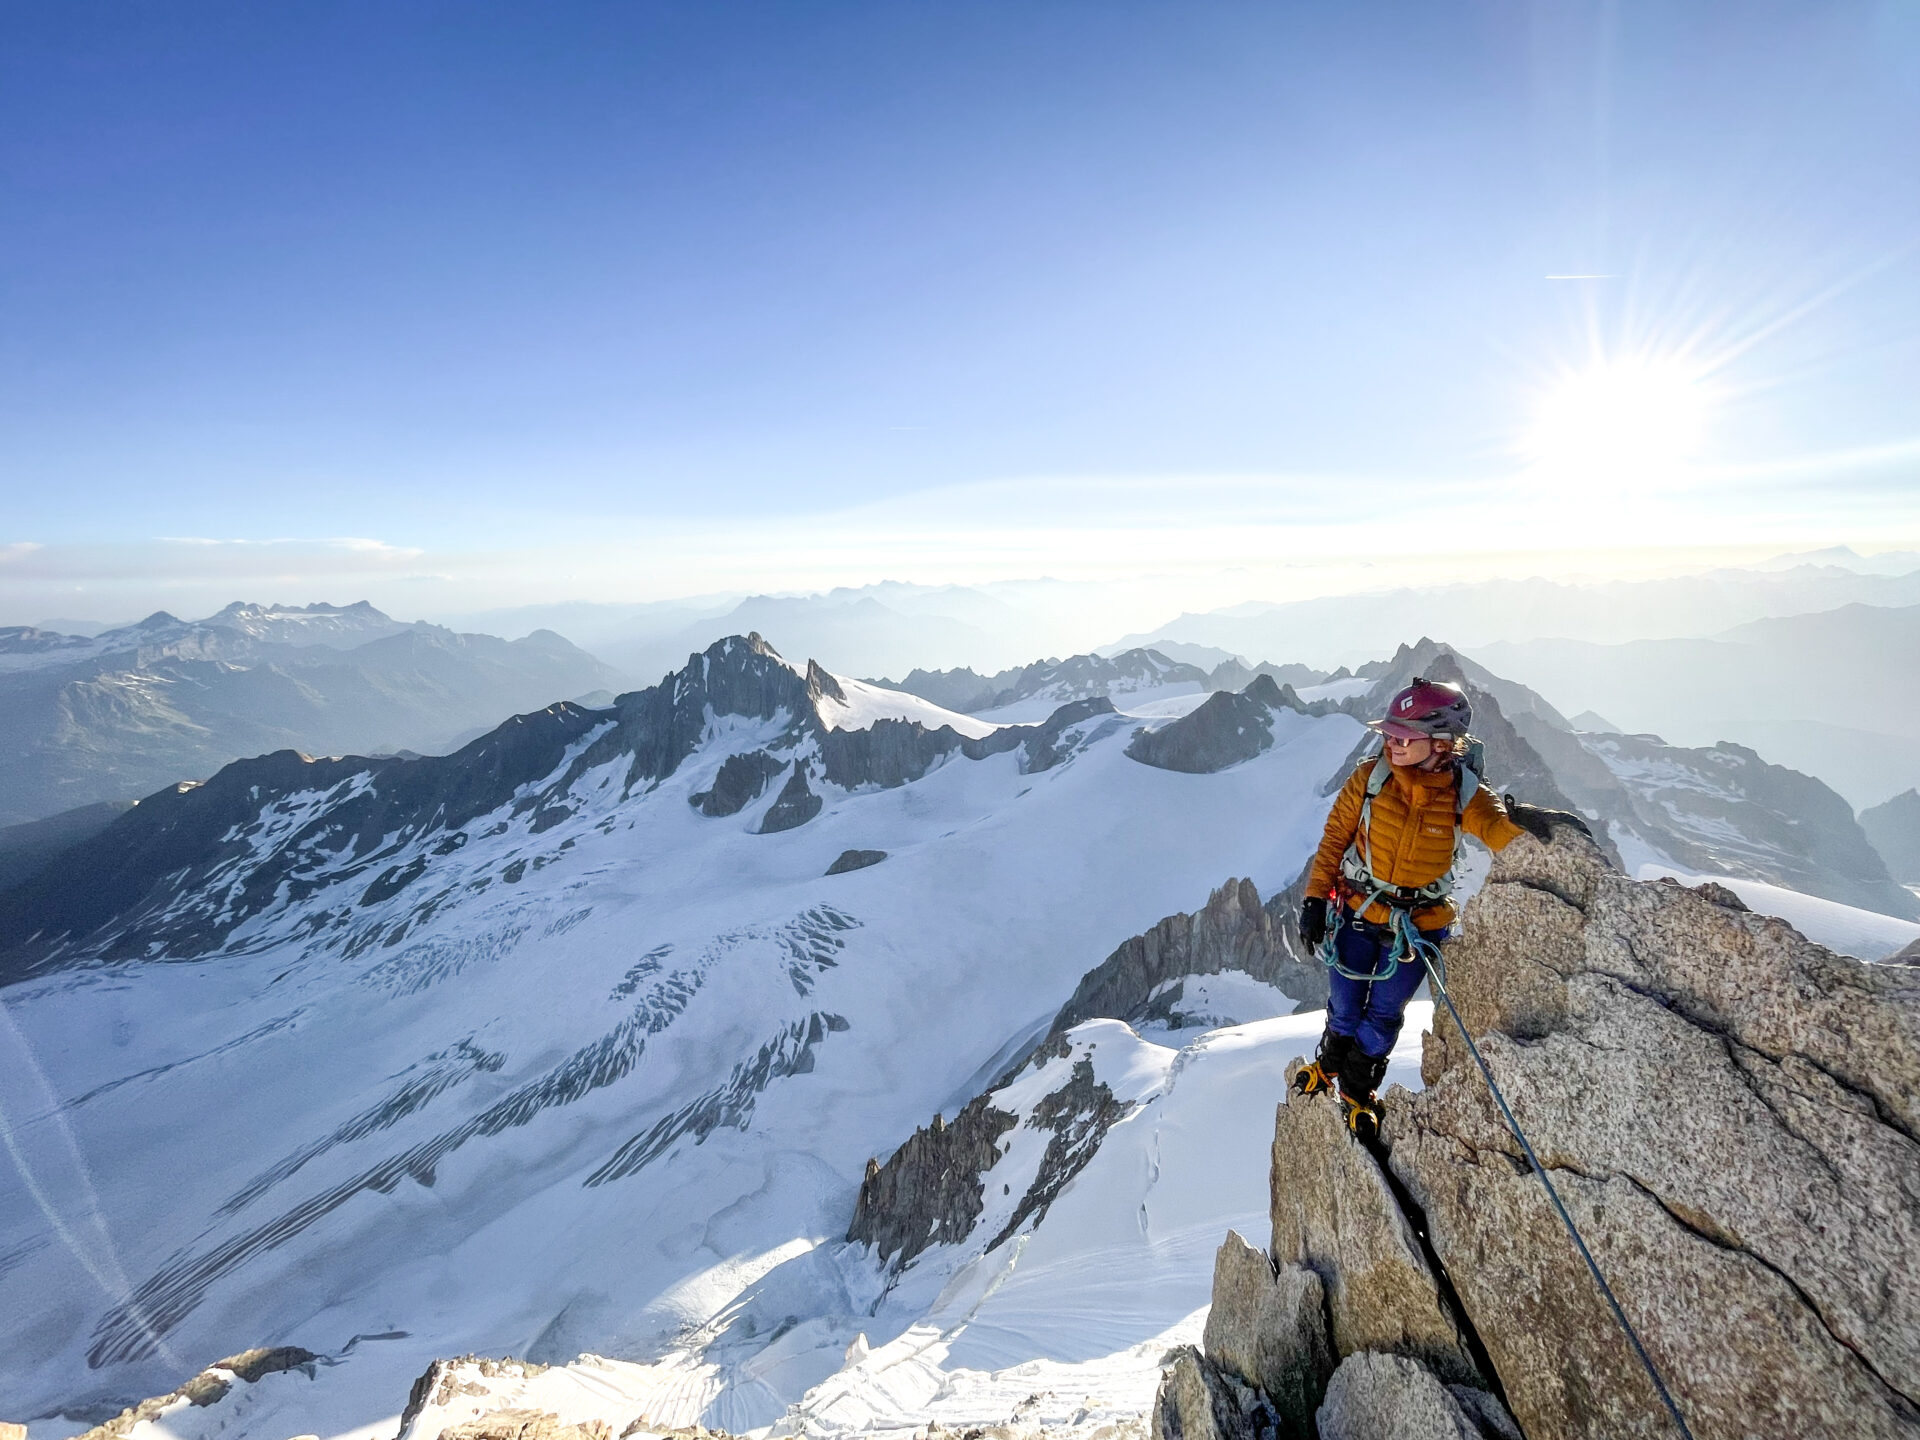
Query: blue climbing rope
[1437, 975]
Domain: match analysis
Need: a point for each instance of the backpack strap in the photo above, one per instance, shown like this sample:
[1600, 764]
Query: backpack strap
[1382, 772]
[1467, 785]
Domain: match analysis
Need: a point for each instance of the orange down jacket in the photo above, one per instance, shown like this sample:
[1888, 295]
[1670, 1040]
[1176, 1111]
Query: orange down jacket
[1411, 834]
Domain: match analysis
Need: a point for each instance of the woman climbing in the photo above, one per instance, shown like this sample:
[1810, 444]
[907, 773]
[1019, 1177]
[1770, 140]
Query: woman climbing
[1379, 893]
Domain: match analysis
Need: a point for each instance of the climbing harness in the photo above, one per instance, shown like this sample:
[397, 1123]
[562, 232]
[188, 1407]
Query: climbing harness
[1368, 889]
[1436, 974]
[1410, 943]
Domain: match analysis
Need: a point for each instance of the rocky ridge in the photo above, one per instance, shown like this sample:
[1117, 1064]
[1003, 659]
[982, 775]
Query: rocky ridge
[209, 1387]
[1723, 810]
[1759, 1236]
[1142, 979]
[181, 872]
[1894, 830]
[1078, 677]
[931, 1191]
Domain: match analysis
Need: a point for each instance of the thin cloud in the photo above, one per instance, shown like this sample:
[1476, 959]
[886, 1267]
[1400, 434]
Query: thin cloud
[345, 542]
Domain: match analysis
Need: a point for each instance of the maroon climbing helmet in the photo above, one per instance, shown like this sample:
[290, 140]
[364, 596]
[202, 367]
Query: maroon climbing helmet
[1427, 708]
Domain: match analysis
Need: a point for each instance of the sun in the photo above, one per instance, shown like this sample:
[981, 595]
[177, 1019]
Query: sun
[1627, 422]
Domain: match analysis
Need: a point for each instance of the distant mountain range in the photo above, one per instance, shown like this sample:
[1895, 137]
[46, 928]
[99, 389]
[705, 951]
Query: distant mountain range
[115, 716]
[1718, 810]
[1142, 676]
[1345, 629]
[1835, 693]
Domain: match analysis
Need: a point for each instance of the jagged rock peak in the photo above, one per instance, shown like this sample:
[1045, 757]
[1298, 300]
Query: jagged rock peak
[1225, 729]
[1729, 1113]
[1232, 931]
[821, 685]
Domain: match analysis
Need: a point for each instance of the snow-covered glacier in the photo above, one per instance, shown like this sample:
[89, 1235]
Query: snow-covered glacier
[569, 1043]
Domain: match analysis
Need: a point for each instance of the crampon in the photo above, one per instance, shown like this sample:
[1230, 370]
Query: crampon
[1311, 1079]
[1363, 1116]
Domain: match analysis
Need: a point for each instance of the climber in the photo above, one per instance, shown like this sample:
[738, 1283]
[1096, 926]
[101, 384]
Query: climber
[1379, 889]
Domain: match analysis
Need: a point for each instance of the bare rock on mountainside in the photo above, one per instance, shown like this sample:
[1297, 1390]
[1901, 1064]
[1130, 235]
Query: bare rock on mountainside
[1893, 828]
[460, 1383]
[1268, 1328]
[930, 1191]
[794, 805]
[525, 1425]
[849, 860]
[1232, 931]
[1729, 1112]
[1334, 1211]
[1389, 1397]
[741, 780]
[933, 1189]
[1198, 1400]
[210, 1386]
[1758, 1234]
[1227, 728]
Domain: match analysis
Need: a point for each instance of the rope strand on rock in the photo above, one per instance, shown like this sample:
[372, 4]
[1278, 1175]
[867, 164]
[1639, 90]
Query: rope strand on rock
[1573, 1231]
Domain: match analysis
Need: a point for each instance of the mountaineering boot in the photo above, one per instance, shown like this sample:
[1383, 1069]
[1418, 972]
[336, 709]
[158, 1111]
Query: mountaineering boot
[1360, 1075]
[1319, 1073]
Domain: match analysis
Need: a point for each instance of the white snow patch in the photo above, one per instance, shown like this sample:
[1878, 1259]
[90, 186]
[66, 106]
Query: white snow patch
[1335, 689]
[1178, 698]
[867, 703]
[1847, 929]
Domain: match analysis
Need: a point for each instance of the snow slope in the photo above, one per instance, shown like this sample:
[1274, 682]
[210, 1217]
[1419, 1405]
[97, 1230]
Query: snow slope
[600, 1076]
[860, 704]
[1864, 934]
[1168, 701]
[1064, 1326]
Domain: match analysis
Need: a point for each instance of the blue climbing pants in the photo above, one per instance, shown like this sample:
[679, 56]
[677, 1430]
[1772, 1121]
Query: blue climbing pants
[1371, 1011]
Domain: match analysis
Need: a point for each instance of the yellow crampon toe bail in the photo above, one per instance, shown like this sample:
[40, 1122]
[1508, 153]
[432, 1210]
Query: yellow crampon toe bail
[1310, 1079]
[1363, 1117]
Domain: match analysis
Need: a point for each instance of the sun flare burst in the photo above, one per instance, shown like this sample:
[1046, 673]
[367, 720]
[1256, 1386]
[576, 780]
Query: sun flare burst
[1627, 422]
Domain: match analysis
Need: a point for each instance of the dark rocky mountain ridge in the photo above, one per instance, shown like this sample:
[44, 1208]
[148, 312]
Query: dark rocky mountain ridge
[1894, 829]
[185, 868]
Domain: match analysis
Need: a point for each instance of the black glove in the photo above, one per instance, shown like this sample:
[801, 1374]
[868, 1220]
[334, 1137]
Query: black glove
[1313, 921]
[1538, 821]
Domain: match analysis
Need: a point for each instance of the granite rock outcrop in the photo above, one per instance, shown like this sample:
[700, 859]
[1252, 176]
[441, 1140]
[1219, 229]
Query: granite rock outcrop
[1729, 1113]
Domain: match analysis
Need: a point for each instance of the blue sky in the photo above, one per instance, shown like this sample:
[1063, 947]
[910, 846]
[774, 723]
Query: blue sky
[632, 299]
